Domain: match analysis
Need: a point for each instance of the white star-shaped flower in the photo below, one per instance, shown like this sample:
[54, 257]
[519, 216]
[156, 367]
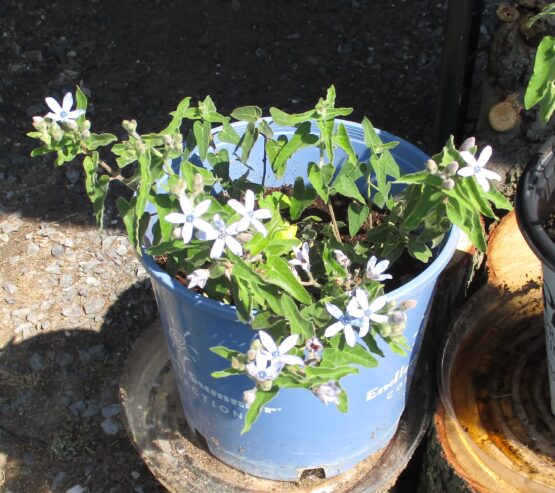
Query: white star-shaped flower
[301, 257]
[375, 270]
[190, 217]
[63, 113]
[476, 167]
[279, 354]
[224, 236]
[198, 278]
[345, 321]
[261, 369]
[366, 311]
[249, 215]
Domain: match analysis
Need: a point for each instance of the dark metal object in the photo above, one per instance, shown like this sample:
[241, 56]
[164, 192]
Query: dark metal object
[462, 32]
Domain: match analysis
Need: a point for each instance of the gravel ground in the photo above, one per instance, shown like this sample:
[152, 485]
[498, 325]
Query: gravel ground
[73, 300]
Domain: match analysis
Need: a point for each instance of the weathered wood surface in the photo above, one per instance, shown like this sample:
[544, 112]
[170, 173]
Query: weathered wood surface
[494, 432]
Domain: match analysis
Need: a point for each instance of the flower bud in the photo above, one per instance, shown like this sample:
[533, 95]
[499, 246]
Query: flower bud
[198, 184]
[140, 147]
[256, 345]
[408, 305]
[37, 120]
[265, 386]
[176, 233]
[235, 363]
[251, 355]
[468, 144]
[244, 237]
[249, 396]
[398, 317]
[86, 125]
[130, 126]
[397, 330]
[448, 184]
[56, 132]
[167, 140]
[452, 168]
[431, 166]
[178, 138]
[86, 134]
[71, 124]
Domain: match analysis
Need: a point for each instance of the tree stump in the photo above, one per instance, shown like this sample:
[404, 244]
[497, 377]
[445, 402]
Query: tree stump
[493, 430]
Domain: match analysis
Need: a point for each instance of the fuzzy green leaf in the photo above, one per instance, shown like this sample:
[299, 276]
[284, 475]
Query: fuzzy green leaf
[320, 177]
[202, 136]
[356, 355]
[276, 271]
[249, 114]
[301, 198]
[262, 398]
[357, 214]
[299, 325]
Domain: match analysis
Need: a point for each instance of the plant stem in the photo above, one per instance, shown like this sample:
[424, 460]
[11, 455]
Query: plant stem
[334, 223]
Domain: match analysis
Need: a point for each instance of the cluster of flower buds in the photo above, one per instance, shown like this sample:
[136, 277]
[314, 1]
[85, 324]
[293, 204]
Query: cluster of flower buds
[328, 393]
[447, 173]
[173, 142]
[397, 318]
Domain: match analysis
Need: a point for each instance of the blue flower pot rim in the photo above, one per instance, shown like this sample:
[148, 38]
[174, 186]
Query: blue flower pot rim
[226, 311]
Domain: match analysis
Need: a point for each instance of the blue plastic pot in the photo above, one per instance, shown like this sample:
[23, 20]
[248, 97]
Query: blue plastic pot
[295, 431]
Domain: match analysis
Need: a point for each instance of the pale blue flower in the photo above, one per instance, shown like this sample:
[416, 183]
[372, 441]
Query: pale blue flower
[476, 167]
[249, 215]
[345, 321]
[301, 257]
[63, 113]
[190, 217]
[367, 312]
[224, 237]
[278, 355]
[375, 270]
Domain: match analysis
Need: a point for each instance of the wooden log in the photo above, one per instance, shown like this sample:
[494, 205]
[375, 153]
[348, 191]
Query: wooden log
[493, 430]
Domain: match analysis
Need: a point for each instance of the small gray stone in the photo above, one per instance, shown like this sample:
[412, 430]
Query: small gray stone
[27, 459]
[57, 250]
[58, 480]
[92, 410]
[78, 407]
[110, 411]
[36, 362]
[135, 475]
[32, 248]
[93, 305]
[90, 265]
[76, 489]
[110, 427]
[66, 280]
[9, 287]
[72, 311]
[121, 250]
[21, 313]
[53, 269]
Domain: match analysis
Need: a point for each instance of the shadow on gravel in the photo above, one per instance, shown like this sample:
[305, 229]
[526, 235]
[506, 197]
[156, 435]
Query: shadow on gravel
[59, 411]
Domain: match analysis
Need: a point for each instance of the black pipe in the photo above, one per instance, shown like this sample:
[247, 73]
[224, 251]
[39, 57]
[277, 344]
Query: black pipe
[462, 32]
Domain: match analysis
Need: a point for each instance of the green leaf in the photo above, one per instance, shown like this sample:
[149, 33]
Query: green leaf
[356, 355]
[229, 134]
[342, 140]
[301, 198]
[247, 142]
[127, 213]
[357, 214]
[317, 375]
[39, 151]
[208, 112]
[299, 325]
[276, 271]
[177, 117]
[541, 86]
[468, 190]
[281, 153]
[262, 398]
[242, 299]
[468, 221]
[244, 271]
[96, 186]
[226, 373]
[265, 129]
[287, 120]
[248, 114]
[424, 177]
[224, 352]
[419, 250]
[345, 182]
[145, 183]
[424, 201]
[99, 140]
[81, 103]
[202, 136]
[343, 405]
[378, 148]
[320, 177]
[498, 199]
